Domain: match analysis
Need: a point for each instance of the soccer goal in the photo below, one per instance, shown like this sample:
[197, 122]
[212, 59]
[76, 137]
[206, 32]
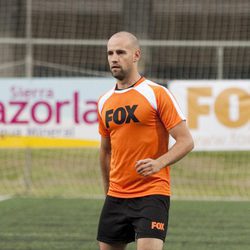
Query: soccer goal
[180, 40]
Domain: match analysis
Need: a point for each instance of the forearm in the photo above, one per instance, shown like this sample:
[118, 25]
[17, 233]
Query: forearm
[176, 152]
[184, 144]
[105, 168]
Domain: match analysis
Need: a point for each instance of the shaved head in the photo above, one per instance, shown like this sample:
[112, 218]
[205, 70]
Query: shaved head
[133, 41]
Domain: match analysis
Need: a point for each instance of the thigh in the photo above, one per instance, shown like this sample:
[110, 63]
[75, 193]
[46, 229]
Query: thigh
[152, 219]
[114, 227]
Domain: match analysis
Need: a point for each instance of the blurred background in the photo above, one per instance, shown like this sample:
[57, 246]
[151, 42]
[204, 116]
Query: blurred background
[194, 39]
[180, 40]
[61, 39]
[53, 52]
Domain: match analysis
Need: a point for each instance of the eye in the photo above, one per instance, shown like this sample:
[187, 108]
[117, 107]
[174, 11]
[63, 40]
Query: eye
[109, 53]
[120, 52]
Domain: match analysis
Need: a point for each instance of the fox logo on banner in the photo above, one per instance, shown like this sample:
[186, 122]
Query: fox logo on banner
[218, 112]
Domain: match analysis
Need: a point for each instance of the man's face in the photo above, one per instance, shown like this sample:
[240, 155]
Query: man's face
[121, 57]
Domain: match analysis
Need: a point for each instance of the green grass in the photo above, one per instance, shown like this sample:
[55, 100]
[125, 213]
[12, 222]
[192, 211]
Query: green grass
[44, 223]
[70, 224]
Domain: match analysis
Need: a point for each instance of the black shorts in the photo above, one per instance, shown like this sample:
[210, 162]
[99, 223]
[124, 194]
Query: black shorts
[124, 220]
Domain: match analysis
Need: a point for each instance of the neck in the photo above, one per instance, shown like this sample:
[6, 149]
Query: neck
[129, 81]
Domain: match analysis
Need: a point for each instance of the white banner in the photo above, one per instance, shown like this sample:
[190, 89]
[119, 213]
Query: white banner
[51, 107]
[218, 112]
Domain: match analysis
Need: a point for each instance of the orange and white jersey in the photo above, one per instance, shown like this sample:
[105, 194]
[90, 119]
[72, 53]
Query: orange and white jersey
[137, 120]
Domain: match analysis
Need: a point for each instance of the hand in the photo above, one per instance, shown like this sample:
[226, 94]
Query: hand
[148, 166]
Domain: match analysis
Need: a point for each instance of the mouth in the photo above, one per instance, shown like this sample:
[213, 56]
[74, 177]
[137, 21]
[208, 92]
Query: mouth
[115, 67]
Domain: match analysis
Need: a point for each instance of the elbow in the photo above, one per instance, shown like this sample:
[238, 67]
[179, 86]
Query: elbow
[190, 145]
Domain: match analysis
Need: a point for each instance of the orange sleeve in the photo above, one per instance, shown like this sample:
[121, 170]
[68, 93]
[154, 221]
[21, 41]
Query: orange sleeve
[102, 129]
[168, 109]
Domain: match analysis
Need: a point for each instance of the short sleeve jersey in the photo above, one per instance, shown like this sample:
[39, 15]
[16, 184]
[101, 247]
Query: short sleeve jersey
[137, 120]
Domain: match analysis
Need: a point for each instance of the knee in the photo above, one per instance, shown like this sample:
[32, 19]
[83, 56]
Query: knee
[149, 244]
[105, 246]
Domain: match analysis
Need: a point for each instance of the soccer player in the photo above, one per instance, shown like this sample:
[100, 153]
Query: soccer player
[136, 118]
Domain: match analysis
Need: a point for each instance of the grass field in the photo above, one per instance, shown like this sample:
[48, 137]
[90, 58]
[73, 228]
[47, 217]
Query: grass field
[42, 223]
[70, 224]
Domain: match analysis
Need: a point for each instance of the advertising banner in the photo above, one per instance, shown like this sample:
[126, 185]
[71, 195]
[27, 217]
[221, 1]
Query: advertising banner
[51, 107]
[218, 112]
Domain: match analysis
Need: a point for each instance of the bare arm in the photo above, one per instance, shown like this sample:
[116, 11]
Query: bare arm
[183, 145]
[105, 156]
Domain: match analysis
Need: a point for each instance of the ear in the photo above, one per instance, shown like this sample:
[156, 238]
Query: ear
[137, 55]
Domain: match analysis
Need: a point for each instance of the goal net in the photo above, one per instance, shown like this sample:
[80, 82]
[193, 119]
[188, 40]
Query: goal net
[183, 40]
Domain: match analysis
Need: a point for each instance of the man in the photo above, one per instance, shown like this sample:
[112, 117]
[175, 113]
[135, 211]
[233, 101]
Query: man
[136, 118]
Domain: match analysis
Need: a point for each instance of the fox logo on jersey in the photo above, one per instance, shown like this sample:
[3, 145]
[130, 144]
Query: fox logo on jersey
[121, 115]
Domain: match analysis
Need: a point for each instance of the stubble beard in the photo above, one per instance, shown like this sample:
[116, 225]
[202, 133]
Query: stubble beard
[119, 75]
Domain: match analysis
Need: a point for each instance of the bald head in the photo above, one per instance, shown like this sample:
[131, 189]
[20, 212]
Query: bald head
[126, 36]
[123, 55]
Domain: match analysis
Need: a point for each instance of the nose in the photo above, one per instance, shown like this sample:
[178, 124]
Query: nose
[114, 58]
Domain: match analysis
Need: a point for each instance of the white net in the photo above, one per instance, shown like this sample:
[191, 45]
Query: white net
[181, 39]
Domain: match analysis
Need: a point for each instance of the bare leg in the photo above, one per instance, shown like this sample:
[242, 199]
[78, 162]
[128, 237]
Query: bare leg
[149, 244]
[105, 246]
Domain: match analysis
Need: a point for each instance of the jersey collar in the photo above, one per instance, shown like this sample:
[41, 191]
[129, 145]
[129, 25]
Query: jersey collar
[130, 87]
